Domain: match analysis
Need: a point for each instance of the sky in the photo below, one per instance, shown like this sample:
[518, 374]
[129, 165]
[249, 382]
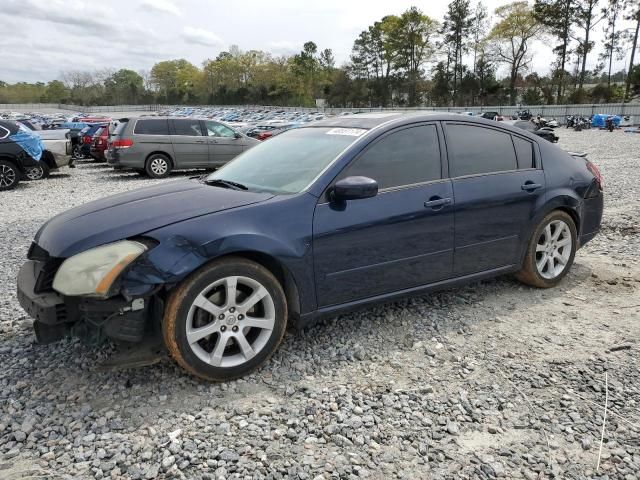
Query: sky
[42, 38]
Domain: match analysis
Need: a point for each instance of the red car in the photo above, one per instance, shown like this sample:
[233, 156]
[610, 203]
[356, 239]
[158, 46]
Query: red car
[99, 144]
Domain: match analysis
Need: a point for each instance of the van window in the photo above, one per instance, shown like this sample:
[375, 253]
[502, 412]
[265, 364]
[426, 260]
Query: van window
[152, 127]
[187, 127]
[215, 129]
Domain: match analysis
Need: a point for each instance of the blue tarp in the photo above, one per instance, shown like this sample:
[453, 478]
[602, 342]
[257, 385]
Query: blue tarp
[600, 119]
[29, 141]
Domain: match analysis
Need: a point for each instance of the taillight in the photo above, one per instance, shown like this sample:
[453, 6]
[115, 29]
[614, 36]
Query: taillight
[264, 135]
[86, 139]
[596, 173]
[124, 143]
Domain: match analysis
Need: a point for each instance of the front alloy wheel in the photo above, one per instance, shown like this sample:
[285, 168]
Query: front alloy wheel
[225, 320]
[550, 252]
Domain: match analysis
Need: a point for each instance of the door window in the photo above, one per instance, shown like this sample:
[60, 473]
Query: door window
[152, 127]
[215, 129]
[475, 150]
[404, 157]
[187, 128]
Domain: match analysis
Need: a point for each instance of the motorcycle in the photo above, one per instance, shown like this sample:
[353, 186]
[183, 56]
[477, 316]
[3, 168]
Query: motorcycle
[524, 115]
[608, 124]
[571, 121]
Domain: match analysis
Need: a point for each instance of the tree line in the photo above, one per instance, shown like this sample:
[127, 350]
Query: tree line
[409, 59]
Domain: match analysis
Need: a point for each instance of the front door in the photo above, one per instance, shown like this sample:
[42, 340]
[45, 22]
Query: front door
[189, 143]
[224, 145]
[497, 187]
[399, 239]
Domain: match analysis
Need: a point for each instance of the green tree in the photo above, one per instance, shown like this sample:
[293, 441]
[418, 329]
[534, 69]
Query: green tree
[511, 37]
[612, 46]
[586, 21]
[633, 15]
[456, 30]
[124, 87]
[413, 44]
[56, 92]
[558, 16]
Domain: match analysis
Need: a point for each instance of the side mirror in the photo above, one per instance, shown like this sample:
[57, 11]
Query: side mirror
[237, 135]
[354, 188]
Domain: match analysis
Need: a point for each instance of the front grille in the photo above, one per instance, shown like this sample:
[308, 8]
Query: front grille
[48, 270]
[61, 313]
[47, 265]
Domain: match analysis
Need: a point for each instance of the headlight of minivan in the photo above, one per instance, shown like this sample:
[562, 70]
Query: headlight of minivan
[94, 271]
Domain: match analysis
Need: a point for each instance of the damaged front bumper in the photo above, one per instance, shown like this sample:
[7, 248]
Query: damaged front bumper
[56, 316]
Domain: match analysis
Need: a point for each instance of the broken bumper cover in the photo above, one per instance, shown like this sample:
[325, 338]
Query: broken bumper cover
[56, 316]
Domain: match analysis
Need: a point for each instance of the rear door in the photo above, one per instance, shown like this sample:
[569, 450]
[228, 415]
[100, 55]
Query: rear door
[223, 143]
[498, 185]
[189, 143]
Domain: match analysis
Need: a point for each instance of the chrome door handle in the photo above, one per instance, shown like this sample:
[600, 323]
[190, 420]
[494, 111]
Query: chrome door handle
[530, 186]
[437, 202]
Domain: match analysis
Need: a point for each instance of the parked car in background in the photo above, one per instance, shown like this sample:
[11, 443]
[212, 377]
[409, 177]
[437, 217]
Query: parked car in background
[99, 144]
[321, 219]
[492, 116]
[20, 151]
[157, 145]
[57, 150]
[86, 136]
[547, 133]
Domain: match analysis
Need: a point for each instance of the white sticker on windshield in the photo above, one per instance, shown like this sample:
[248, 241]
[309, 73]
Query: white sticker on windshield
[353, 132]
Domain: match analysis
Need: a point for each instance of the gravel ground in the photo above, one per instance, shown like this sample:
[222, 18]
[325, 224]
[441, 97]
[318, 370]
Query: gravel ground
[490, 380]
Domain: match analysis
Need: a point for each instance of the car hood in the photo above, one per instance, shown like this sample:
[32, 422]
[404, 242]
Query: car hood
[133, 213]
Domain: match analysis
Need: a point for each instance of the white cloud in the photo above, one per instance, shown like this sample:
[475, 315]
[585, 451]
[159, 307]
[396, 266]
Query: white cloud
[284, 47]
[200, 36]
[162, 6]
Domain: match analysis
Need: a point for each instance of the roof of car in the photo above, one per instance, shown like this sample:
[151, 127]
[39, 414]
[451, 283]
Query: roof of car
[374, 119]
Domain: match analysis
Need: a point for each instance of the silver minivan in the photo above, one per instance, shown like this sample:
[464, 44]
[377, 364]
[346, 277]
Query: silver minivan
[157, 145]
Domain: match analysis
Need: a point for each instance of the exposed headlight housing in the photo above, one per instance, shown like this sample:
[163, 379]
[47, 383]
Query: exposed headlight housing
[92, 273]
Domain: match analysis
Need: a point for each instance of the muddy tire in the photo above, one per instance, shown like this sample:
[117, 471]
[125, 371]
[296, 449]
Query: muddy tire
[225, 320]
[550, 252]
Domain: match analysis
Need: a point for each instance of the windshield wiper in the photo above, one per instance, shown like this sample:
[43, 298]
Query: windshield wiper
[226, 184]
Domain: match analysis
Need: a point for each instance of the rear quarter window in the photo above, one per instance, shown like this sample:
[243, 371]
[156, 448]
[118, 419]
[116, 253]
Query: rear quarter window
[524, 151]
[475, 150]
[152, 127]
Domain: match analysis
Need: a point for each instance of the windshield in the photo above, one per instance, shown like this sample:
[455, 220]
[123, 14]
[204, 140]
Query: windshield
[288, 163]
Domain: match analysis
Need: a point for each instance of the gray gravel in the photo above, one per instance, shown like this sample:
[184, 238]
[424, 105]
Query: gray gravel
[493, 380]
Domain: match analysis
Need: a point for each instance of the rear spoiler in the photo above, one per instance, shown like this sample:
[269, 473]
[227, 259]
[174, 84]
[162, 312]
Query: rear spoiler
[581, 155]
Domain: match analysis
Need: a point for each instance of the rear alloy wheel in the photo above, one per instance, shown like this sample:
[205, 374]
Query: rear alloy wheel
[551, 251]
[158, 166]
[225, 320]
[9, 175]
[39, 172]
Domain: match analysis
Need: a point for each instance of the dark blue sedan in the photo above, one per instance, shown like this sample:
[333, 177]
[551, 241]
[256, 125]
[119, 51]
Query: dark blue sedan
[321, 219]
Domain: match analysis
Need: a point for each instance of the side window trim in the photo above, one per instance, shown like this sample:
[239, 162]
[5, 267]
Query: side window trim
[169, 127]
[435, 124]
[534, 151]
[488, 127]
[4, 135]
